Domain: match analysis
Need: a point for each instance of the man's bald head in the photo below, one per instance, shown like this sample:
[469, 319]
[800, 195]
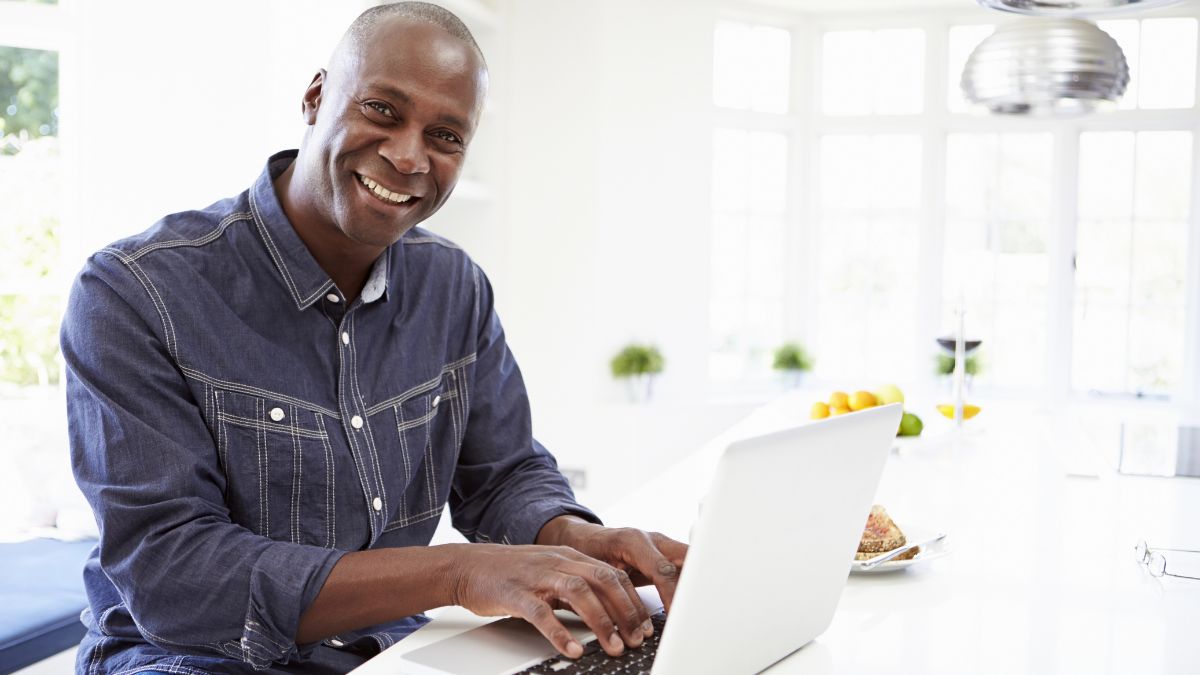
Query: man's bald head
[368, 21]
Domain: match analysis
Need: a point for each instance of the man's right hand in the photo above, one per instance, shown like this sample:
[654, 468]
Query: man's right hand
[532, 581]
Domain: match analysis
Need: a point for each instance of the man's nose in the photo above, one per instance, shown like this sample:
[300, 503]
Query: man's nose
[406, 151]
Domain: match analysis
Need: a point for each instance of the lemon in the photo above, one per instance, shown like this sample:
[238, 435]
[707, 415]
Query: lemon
[889, 393]
[819, 411]
[839, 399]
[838, 410]
[969, 410]
[861, 400]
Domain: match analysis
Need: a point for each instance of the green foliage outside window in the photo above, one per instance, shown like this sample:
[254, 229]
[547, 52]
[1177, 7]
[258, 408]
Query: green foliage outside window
[30, 196]
[28, 96]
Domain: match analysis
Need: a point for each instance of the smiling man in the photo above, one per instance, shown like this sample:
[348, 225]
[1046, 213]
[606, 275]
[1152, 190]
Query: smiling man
[271, 401]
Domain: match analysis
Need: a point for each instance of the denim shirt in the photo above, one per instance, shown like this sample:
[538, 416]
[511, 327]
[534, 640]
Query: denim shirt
[237, 426]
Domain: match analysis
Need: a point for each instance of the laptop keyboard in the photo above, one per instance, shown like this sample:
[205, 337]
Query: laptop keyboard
[595, 662]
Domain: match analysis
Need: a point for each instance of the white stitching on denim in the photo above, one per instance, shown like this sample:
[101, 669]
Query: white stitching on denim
[366, 422]
[403, 458]
[269, 426]
[430, 476]
[475, 281]
[330, 487]
[222, 437]
[413, 519]
[432, 239]
[297, 474]
[253, 626]
[423, 387]
[260, 441]
[199, 241]
[257, 391]
[173, 342]
[358, 463]
[92, 659]
[164, 317]
[274, 252]
[413, 423]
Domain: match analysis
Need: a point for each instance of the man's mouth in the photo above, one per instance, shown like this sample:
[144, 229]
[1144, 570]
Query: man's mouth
[381, 192]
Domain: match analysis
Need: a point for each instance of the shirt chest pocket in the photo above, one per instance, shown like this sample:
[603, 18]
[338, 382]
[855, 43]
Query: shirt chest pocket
[427, 428]
[279, 467]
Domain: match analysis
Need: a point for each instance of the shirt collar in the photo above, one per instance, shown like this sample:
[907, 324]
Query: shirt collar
[303, 277]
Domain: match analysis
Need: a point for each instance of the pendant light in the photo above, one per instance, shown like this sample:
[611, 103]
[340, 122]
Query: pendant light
[1073, 7]
[1046, 67]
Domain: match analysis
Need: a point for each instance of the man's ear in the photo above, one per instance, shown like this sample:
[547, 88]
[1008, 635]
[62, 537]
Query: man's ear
[312, 98]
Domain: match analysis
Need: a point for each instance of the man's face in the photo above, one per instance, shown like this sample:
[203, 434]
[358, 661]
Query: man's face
[390, 126]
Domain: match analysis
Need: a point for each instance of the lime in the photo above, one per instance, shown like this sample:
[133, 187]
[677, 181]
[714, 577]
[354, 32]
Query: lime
[910, 425]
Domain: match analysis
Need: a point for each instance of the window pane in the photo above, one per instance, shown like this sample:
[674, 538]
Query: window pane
[899, 72]
[30, 191]
[747, 260]
[869, 241]
[864, 72]
[998, 208]
[1168, 63]
[1131, 261]
[751, 67]
[962, 41]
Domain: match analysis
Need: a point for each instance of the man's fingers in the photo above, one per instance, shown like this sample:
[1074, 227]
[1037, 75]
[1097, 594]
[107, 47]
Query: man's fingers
[653, 562]
[617, 593]
[542, 617]
[577, 591]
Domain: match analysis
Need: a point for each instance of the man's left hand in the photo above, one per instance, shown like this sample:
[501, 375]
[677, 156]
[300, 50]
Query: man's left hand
[647, 557]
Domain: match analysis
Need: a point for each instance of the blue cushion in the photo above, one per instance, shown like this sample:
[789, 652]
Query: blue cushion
[41, 596]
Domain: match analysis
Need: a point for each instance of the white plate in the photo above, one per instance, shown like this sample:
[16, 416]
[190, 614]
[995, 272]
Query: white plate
[932, 551]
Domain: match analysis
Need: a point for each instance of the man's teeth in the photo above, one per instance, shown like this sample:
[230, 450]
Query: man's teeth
[384, 193]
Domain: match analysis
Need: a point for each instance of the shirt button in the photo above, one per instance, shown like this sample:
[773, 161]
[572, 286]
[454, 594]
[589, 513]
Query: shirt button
[377, 504]
[356, 422]
[277, 414]
[337, 643]
[436, 400]
[345, 338]
[332, 297]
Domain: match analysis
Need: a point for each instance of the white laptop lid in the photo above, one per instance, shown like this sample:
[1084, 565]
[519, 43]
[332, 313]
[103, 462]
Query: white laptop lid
[772, 547]
[769, 556]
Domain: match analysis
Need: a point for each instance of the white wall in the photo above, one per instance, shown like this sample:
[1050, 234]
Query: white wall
[607, 191]
[181, 103]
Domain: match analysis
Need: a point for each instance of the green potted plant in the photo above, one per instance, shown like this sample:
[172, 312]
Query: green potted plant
[637, 364]
[793, 361]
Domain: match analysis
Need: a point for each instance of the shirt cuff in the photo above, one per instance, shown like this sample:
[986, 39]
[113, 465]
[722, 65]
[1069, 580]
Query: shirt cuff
[283, 584]
[538, 514]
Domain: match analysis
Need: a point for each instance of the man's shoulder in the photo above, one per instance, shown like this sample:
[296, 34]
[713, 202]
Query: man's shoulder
[436, 250]
[186, 231]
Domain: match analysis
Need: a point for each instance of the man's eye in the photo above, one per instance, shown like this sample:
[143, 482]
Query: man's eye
[379, 108]
[449, 136]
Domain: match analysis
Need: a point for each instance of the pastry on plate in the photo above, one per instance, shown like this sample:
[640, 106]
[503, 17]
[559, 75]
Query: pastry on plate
[882, 535]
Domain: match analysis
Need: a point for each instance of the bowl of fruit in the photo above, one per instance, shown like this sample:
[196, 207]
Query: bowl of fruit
[841, 402]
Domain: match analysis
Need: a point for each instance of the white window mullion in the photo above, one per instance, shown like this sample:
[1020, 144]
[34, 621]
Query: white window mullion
[1060, 287]
[1190, 385]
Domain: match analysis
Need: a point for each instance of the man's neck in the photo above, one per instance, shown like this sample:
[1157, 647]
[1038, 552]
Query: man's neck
[346, 262]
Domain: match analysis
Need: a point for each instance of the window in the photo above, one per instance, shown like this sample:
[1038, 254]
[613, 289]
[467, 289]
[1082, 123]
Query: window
[907, 210]
[1131, 255]
[997, 229]
[30, 189]
[873, 72]
[870, 192]
[749, 200]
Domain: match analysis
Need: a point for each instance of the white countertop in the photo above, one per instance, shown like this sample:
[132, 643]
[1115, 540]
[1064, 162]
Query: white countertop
[1040, 578]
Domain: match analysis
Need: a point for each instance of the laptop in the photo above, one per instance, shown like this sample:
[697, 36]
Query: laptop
[769, 554]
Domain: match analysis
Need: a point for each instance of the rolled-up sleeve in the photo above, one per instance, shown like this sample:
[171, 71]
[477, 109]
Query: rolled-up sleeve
[147, 463]
[506, 484]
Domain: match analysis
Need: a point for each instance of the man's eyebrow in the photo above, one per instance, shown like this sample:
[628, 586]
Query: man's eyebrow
[397, 94]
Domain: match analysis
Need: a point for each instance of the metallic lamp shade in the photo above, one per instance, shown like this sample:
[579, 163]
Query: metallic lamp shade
[1047, 67]
[1072, 7]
